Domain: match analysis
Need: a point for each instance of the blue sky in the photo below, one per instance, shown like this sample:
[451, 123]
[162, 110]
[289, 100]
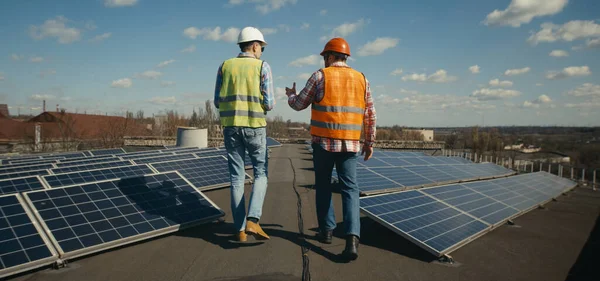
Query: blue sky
[430, 63]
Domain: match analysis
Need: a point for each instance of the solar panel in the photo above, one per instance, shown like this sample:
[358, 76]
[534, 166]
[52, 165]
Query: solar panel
[24, 174]
[66, 155]
[441, 219]
[23, 246]
[86, 161]
[80, 159]
[92, 166]
[210, 153]
[16, 185]
[81, 177]
[204, 173]
[271, 142]
[411, 176]
[84, 219]
[30, 162]
[11, 169]
[186, 148]
[142, 154]
[163, 158]
[112, 151]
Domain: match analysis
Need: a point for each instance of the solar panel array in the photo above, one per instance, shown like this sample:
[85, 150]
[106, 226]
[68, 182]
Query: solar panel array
[443, 218]
[84, 219]
[393, 178]
[96, 200]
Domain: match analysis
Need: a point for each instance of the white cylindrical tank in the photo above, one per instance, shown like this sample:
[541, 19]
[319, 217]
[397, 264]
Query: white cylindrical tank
[192, 137]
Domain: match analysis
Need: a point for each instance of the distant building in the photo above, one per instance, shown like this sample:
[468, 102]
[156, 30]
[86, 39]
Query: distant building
[4, 111]
[427, 134]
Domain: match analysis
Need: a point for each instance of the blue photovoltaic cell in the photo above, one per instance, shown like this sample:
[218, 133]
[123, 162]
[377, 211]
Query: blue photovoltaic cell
[203, 173]
[142, 154]
[107, 151]
[10, 170]
[402, 176]
[20, 241]
[272, 143]
[430, 172]
[397, 162]
[90, 167]
[163, 158]
[30, 162]
[443, 217]
[87, 162]
[373, 163]
[24, 174]
[210, 153]
[119, 211]
[16, 185]
[182, 149]
[368, 180]
[96, 175]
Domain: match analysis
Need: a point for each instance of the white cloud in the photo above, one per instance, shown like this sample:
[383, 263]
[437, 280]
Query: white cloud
[268, 31]
[16, 57]
[378, 46]
[284, 27]
[586, 90]
[418, 102]
[397, 71]
[440, 76]
[304, 76]
[541, 100]
[36, 59]
[56, 28]
[149, 74]
[101, 37]
[323, 12]
[521, 12]
[163, 100]
[497, 83]
[308, 60]
[122, 83]
[167, 83]
[47, 73]
[190, 49]
[39, 97]
[583, 105]
[305, 26]
[570, 71]
[165, 63]
[264, 6]
[569, 31]
[485, 94]
[513, 72]
[345, 29]
[593, 43]
[559, 53]
[213, 34]
[280, 93]
[119, 3]
[474, 69]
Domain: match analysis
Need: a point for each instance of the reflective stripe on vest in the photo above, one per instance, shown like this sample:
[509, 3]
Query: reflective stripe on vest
[240, 98]
[340, 114]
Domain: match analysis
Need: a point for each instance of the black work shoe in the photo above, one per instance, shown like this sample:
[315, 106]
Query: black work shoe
[351, 250]
[325, 236]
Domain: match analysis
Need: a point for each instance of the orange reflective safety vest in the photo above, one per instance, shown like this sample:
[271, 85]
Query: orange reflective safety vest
[340, 114]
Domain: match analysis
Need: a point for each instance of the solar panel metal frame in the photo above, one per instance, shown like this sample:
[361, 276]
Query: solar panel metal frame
[125, 241]
[99, 151]
[86, 161]
[43, 182]
[277, 143]
[49, 186]
[47, 241]
[144, 159]
[28, 173]
[456, 246]
[53, 170]
[247, 179]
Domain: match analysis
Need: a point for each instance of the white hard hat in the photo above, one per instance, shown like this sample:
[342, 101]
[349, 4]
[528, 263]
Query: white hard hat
[250, 33]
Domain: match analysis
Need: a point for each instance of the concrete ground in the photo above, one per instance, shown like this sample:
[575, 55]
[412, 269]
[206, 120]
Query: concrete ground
[546, 244]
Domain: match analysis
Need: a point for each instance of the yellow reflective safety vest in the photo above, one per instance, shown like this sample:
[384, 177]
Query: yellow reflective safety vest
[240, 98]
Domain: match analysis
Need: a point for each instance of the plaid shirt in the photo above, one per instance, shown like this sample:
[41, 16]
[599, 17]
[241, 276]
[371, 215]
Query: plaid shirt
[313, 91]
[266, 84]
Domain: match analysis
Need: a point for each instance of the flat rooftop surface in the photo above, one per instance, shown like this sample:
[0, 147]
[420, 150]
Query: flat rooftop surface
[560, 242]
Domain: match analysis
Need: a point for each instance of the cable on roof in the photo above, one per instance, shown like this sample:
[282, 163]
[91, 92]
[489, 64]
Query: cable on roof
[304, 245]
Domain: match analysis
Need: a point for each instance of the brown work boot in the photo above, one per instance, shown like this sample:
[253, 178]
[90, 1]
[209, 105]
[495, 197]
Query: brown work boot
[241, 236]
[256, 230]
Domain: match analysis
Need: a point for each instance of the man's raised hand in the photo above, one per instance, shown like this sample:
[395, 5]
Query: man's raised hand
[291, 91]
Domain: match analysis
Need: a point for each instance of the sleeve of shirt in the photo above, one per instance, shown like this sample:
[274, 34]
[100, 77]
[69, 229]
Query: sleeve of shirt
[307, 95]
[218, 86]
[266, 87]
[370, 117]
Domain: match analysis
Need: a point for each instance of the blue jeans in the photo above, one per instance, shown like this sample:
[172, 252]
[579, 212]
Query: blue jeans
[345, 163]
[237, 141]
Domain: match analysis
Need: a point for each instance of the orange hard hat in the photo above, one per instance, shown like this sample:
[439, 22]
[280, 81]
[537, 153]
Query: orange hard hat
[338, 45]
